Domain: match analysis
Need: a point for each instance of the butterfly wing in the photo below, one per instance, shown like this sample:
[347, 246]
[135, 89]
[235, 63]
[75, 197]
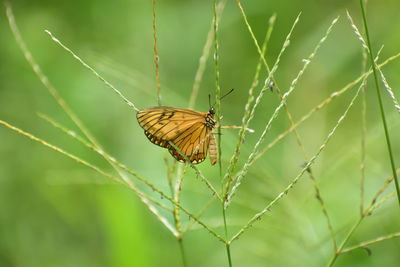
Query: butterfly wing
[184, 128]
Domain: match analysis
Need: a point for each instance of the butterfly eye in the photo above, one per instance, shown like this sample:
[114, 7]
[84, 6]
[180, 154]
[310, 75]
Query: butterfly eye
[212, 111]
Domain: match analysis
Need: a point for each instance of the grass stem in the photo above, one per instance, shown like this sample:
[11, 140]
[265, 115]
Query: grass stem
[182, 249]
[155, 53]
[218, 115]
[349, 234]
[380, 101]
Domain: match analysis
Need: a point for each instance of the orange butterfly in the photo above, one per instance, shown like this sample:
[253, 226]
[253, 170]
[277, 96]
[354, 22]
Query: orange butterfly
[188, 130]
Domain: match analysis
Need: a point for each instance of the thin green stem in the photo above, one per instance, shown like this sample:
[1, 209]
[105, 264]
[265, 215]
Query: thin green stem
[217, 86]
[349, 234]
[118, 92]
[177, 218]
[155, 53]
[380, 102]
[218, 114]
[227, 244]
[370, 242]
[363, 133]
[182, 249]
[228, 252]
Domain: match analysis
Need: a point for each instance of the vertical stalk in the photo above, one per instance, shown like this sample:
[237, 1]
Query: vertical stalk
[227, 244]
[380, 102]
[155, 52]
[182, 249]
[176, 193]
[363, 132]
[218, 114]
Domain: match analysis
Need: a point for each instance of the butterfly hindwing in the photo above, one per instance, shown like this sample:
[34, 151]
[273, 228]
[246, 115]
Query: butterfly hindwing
[193, 143]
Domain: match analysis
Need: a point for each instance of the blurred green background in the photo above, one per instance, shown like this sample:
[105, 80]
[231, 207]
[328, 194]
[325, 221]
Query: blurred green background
[55, 212]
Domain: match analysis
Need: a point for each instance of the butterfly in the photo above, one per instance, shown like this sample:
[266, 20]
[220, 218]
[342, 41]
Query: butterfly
[190, 132]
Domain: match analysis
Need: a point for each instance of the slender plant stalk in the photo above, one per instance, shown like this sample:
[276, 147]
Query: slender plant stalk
[182, 250]
[118, 92]
[363, 132]
[177, 218]
[155, 53]
[370, 242]
[218, 114]
[371, 57]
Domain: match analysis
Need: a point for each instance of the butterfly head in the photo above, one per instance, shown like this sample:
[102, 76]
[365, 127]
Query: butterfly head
[211, 111]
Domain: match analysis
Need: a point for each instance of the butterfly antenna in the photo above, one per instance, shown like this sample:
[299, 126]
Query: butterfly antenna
[209, 97]
[230, 91]
[209, 100]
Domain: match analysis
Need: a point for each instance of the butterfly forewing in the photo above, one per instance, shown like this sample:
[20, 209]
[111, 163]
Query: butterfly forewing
[165, 123]
[184, 128]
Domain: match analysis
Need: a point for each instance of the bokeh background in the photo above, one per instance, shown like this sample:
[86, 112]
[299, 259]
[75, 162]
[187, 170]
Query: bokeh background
[55, 212]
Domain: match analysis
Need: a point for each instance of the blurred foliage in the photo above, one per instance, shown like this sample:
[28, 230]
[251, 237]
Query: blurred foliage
[54, 212]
